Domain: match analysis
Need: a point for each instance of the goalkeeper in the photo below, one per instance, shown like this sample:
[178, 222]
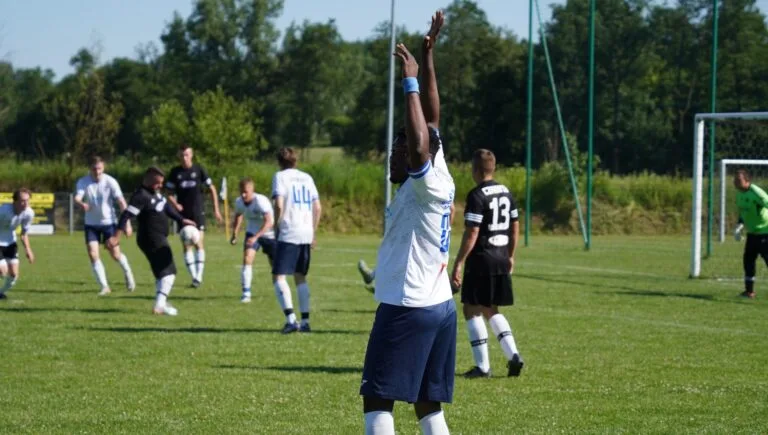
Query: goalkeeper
[752, 202]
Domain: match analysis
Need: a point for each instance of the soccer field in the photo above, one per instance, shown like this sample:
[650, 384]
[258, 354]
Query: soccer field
[615, 340]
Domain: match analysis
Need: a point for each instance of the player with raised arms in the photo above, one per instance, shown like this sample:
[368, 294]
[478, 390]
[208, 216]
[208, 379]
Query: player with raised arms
[488, 250]
[412, 347]
[96, 194]
[752, 202]
[187, 182]
[12, 216]
[152, 210]
[257, 211]
[297, 215]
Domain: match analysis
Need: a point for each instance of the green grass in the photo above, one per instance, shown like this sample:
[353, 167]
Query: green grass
[616, 340]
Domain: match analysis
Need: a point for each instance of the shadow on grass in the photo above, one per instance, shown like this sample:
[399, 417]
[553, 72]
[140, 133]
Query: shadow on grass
[343, 311]
[211, 330]
[295, 369]
[174, 297]
[572, 282]
[659, 294]
[68, 310]
[53, 292]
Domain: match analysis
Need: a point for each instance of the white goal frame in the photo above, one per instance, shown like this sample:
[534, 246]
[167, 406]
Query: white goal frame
[723, 183]
[700, 121]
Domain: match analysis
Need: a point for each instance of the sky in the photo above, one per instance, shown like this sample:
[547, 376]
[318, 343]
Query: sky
[47, 33]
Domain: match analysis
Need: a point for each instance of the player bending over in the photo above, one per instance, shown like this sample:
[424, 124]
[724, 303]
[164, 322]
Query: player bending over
[152, 210]
[752, 202]
[488, 249]
[297, 214]
[187, 181]
[12, 216]
[96, 194]
[257, 212]
[412, 347]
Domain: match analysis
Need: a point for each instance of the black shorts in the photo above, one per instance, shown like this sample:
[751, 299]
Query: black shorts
[757, 244]
[290, 258]
[487, 290]
[10, 252]
[160, 259]
[197, 216]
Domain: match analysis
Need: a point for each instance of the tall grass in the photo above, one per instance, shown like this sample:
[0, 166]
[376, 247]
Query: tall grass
[354, 192]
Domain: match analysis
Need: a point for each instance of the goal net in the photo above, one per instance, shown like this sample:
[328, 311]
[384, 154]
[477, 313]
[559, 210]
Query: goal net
[740, 142]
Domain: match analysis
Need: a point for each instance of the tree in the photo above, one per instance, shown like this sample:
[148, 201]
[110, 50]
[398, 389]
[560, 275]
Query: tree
[87, 120]
[165, 129]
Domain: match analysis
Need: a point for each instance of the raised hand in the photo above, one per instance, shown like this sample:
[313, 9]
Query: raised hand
[437, 23]
[409, 64]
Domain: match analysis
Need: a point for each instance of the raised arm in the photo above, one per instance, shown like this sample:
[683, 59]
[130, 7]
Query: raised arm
[430, 99]
[417, 138]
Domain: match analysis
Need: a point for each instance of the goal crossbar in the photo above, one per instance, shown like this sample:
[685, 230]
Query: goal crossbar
[698, 176]
[724, 163]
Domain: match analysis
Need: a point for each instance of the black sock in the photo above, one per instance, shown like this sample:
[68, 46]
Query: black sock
[305, 316]
[288, 312]
[749, 285]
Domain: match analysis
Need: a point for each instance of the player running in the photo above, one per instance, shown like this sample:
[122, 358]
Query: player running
[752, 202]
[297, 213]
[96, 194]
[488, 249]
[187, 181]
[257, 212]
[12, 216]
[152, 211]
[412, 347]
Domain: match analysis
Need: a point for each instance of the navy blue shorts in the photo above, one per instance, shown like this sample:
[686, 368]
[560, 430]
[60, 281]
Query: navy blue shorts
[291, 258]
[267, 246]
[411, 355]
[99, 233]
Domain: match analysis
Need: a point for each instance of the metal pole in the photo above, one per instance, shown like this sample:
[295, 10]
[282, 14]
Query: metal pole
[391, 103]
[712, 101]
[529, 126]
[591, 120]
[71, 214]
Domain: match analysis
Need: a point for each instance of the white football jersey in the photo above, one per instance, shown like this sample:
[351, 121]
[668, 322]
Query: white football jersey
[298, 191]
[254, 213]
[413, 256]
[100, 196]
[9, 221]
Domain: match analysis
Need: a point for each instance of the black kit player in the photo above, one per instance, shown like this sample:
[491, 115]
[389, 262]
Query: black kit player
[187, 182]
[152, 211]
[488, 250]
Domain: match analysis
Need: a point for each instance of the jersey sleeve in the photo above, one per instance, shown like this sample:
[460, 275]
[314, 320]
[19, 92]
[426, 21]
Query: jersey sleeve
[514, 214]
[760, 196]
[204, 177]
[117, 192]
[265, 205]
[26, 221]
[430, 185]
[80, 189]
[137, 203]
[473, 211]
[239, 206]
[314, 194]
[170, 183]
[278, 187]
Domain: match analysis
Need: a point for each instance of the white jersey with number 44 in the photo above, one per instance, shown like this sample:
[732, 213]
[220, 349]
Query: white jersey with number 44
[297, 188]
[413, 256]
[9, 221]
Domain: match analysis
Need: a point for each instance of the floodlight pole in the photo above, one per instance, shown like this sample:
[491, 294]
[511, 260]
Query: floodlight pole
[391, 106]
[591, 120]
[529, 126]
[712, 106]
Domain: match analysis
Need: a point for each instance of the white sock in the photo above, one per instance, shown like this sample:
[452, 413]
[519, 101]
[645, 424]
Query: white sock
[100, 274]
[303, 291]
[373, 274]
[478, 338]
[126, 268]
[10, 281]
[189, 260]
[503, 332]
[163, 287]
[246, 276]
[283, 293]
[200, 263]
[379, 423]
[434, 424]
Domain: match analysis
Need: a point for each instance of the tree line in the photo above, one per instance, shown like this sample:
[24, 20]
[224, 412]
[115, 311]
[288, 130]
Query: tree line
[225, 80]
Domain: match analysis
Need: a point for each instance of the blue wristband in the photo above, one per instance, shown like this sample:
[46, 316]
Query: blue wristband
[410, 84]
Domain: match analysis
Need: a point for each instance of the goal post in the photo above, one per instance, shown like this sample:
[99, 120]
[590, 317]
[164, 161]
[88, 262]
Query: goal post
[740, 139]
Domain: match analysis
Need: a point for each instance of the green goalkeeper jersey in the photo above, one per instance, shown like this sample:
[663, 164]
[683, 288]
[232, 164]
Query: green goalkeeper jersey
[753, 209]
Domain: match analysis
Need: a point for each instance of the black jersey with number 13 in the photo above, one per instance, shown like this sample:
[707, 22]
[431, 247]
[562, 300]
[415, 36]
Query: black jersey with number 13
[492, 208]
[187, 184]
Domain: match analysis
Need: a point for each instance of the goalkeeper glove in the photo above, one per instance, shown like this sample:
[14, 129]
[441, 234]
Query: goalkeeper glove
[737, 232]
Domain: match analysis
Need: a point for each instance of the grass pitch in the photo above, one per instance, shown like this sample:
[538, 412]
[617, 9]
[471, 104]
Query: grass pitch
[616, 340]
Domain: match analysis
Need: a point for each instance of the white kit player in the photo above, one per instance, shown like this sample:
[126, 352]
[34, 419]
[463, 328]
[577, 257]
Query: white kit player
[297, 214]
[97, 193]
[411, 351]
[257, 211]
[12, 216]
